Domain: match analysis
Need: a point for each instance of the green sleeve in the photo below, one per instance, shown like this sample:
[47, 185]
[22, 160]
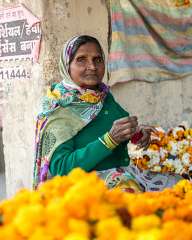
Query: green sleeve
[66, 157]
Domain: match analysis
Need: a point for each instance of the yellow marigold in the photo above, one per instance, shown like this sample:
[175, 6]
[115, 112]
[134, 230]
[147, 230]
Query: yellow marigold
[54, 188]
[126, 234]
[83, 194]
[169, 215]
[169, 147]
[142, 207]
[154, 147]
[166, 199]
[177, 230]
[182, 187]
[9, 208]
[70, 208]
[40, 234]
[142, 163]
[145, 222]
[78, 174]
[186, 133]
[164, 140]
[179, 135]
[151, 234]
[79, 226]
[184, 211]
[115, 196]
[28, 218]
[189, 149]
[56, 210]
[190, 132]
[110, 228]
[101, 210]
[9, 232]
[75, 236]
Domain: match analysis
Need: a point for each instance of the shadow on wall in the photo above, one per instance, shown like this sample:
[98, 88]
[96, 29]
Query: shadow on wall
[2, 162]
[2, 170]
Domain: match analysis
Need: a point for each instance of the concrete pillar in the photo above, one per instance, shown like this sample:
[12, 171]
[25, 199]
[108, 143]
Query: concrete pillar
[60, 19]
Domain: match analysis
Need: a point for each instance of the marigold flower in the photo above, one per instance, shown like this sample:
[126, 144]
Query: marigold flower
[75, 236]
[28, 218]
[79, 226]
[169, 152]
[9, 232]
[109, 228]
[41, 234]
[152, 234]
[145, 222]
[177, 229]
[69, 208]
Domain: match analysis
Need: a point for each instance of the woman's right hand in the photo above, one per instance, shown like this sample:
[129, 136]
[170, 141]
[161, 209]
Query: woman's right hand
[123, 128]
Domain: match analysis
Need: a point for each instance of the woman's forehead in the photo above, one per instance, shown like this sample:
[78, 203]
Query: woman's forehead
[89, 48]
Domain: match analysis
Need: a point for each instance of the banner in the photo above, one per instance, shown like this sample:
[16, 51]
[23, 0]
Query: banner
[151, 40]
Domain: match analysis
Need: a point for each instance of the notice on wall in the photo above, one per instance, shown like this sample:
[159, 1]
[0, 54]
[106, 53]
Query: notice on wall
[20, 36]
[19, 33]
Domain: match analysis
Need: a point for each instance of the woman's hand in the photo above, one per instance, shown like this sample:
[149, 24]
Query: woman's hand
[145, 141]
[123, 129]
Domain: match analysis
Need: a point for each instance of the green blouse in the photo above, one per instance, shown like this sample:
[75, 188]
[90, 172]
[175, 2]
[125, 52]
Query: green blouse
[84, 150]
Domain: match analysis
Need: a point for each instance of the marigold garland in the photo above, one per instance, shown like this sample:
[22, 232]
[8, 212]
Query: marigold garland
[169, 151]
[70, 208]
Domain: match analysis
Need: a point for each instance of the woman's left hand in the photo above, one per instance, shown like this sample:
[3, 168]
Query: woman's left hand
[145, 141]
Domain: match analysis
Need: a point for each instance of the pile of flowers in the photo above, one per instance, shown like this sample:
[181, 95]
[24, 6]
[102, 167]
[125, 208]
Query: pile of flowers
[169, 151]
[80, 207]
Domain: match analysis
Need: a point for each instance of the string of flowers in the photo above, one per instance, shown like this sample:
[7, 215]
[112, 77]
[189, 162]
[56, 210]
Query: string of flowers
[169, 151]
[80, 207]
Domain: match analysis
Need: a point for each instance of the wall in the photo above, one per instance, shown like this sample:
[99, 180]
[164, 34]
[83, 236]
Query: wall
[60, 20]
[166, 103]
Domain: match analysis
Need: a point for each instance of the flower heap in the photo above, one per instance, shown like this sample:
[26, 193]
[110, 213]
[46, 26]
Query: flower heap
[80, 207]
[169, 151]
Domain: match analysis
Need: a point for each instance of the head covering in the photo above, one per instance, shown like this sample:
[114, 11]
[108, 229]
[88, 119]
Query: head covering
[66, 109]
[64, 63]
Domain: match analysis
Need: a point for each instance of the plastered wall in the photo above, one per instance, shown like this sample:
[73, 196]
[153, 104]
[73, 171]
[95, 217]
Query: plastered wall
[166, 103]
[60, 19]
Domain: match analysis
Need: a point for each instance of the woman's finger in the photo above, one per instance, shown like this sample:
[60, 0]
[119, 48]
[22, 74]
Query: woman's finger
[128, 132]
[148, 128]
[127, 126]
[145, 140]
[126, 120]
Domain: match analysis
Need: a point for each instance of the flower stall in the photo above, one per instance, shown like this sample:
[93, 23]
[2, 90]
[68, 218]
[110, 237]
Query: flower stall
[80, 207]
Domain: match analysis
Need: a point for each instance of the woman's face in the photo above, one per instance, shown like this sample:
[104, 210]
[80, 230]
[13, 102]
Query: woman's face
[87, 67]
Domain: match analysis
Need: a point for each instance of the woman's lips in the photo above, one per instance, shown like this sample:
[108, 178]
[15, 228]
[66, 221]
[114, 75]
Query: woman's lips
[91, 76]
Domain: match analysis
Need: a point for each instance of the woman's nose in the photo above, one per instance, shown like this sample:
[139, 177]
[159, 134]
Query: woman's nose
[91, 65]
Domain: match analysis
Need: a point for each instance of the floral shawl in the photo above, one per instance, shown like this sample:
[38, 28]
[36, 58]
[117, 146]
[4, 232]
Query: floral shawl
[64, 113]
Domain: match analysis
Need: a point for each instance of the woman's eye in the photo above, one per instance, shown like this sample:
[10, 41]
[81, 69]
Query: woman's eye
[81, 60]
[99, 60]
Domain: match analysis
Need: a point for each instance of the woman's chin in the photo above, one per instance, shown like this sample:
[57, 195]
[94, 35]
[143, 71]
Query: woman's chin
[90, 85]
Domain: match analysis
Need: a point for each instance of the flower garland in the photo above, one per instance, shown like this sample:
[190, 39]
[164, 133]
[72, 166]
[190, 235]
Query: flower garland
[70, 208]
[169, 151]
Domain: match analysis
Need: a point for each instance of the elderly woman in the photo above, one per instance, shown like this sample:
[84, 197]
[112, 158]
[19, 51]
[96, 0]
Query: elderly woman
[81, 124]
